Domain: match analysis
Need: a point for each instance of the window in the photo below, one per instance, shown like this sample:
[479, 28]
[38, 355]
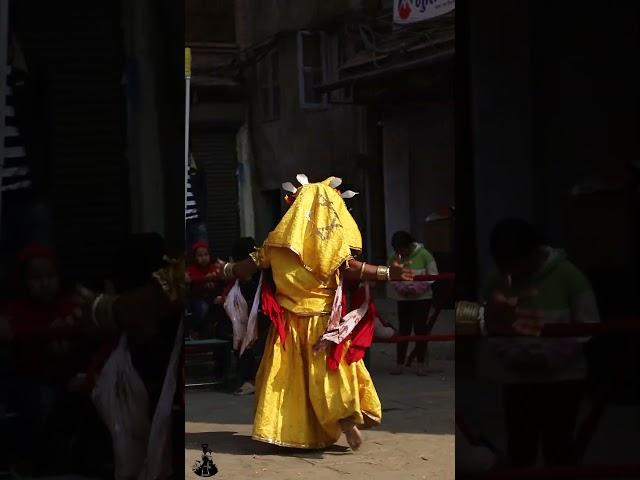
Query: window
[312, 65]
[338, 53]
[269, 77]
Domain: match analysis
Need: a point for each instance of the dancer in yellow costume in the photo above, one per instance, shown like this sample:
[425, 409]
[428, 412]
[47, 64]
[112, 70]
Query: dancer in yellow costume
[300, 402]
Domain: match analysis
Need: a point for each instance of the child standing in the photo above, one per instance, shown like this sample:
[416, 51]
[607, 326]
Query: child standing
[414, 298]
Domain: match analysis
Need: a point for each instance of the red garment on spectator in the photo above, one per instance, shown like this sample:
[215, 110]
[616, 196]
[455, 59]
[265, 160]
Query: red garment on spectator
[198, 245]
[30, 324]
[28, 253]
[200, 287]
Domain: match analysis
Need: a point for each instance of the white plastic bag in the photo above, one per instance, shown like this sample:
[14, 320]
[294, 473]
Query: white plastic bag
[141, 451]
[122, 402]
[251, 334]
[236, 307]
[159, 458]
[472, 459]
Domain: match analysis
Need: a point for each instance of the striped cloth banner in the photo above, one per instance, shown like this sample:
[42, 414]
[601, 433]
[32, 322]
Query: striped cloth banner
[15, 171]
[191, 209]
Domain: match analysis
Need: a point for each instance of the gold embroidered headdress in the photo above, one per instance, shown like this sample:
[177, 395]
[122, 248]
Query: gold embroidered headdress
[318, 227]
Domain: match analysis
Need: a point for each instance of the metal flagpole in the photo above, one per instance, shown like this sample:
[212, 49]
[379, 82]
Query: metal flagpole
[187, 109]
[4, 44]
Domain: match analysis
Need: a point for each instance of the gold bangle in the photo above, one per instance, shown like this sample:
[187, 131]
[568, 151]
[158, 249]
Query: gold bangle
[347, 264]
[228, 270]
[467, 317]
[383, 273]
[364, 264]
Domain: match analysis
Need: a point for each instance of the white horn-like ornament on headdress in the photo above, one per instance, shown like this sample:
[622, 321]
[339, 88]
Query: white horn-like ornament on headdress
[335, 182]
[303, 179]
[349, 194]
[288, 187]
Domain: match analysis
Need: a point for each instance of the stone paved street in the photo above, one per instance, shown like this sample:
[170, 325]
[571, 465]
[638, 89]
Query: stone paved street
[415, 440]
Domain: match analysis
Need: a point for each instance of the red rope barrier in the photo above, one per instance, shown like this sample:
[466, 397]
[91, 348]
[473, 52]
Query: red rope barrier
[581, 472]
[417, 338]
[613, 327]
[447, 276]
[553, 330]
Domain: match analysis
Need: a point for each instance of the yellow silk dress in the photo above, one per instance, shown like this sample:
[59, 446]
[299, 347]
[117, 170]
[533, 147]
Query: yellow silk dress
[299, 402]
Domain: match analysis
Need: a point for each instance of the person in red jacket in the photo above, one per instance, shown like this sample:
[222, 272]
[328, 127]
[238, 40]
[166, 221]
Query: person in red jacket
[40, 324]
[42, 321]
[203, 290]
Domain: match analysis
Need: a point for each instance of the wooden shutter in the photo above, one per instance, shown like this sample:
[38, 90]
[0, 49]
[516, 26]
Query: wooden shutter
[80, 52]
[215, 152]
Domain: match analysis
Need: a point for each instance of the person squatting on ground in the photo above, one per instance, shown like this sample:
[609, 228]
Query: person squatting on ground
[303, 398]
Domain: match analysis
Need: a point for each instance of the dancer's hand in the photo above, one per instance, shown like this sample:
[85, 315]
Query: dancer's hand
[320, 346]
[143, 310]
[398, 273]
[218, 271]
[504, 316]
[84, 299]
[76, 316]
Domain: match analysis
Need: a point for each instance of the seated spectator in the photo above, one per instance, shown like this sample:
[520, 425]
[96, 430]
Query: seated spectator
[202, 289]
[46, 353]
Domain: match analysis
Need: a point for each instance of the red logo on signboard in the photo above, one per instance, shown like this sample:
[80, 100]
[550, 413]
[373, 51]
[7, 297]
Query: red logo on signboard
[404, 9]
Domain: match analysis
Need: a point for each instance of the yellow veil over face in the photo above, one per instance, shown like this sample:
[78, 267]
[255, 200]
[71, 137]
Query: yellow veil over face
[319, 229]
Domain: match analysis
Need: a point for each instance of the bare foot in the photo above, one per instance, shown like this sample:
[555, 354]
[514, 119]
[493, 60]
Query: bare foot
[353, 435]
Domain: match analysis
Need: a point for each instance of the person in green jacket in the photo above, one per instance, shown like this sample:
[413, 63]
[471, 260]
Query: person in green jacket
[542, 378]
[414, 298]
